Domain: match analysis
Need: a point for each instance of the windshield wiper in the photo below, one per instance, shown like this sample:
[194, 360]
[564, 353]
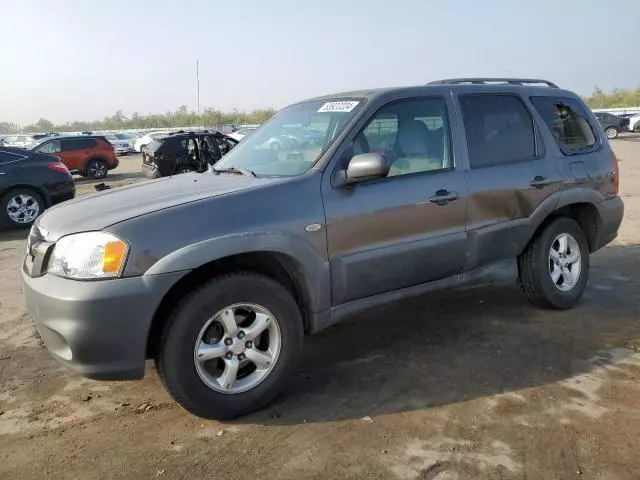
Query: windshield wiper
[241, 171]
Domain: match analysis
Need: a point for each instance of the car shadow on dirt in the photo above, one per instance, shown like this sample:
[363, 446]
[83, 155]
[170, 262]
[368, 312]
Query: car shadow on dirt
[111, 177]
[447, 348]
[7, 235]
[629, 137]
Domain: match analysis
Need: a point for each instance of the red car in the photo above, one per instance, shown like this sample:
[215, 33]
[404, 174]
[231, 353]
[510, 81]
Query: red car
[90, 156]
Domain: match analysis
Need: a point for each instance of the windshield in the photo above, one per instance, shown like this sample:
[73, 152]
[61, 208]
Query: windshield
[111, 138]
[293, 140]
[122, 136]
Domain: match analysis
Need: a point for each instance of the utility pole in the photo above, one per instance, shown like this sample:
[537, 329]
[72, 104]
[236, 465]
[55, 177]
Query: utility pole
[198, 83]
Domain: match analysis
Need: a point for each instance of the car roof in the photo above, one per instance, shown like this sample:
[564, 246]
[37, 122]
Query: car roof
[165, 136]
[531, 86]
[64, 137]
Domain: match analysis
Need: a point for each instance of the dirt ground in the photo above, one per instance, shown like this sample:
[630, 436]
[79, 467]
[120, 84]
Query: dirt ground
[468, 384]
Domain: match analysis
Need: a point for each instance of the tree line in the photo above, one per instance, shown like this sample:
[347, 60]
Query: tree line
[181, 117]
[618, 97]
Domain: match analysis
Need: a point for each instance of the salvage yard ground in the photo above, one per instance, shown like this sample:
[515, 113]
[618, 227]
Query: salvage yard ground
[467, 384]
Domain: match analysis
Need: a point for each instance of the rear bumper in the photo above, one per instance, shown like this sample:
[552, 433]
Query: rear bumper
[62, 191]
[98, 329]
[63, 196]
[150, 171]
[611, 212]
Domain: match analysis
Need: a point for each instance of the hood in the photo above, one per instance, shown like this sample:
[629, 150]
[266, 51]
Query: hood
[100, 210]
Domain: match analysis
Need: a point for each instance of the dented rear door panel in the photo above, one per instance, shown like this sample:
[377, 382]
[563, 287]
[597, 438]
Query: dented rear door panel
[503, 198]
[501, 203]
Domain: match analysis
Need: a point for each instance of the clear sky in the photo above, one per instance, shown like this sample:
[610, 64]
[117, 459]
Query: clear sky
[84, 59]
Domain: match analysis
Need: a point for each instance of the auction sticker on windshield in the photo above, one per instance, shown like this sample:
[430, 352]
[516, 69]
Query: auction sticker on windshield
[346, 106]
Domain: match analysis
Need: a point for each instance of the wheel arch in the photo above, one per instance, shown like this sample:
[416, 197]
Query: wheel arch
[279, 266]
[584, 213]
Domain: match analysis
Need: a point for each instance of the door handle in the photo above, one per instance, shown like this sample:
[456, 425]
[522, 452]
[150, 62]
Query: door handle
[540, 182]
[442, 197]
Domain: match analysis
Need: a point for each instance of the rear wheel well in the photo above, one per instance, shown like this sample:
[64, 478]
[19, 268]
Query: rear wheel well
[585, 214]
[280, 267]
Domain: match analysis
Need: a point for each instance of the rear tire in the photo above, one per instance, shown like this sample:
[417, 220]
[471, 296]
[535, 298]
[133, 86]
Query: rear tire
[96, 169]
[611, 132]
[20, 207]
[207, 394]
[546, 283]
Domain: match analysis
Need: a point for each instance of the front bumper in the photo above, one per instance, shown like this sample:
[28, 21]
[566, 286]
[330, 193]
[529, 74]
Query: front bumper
[99, 329]
[610, 212]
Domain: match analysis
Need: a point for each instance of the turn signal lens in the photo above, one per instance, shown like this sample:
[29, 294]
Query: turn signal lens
[114, 255]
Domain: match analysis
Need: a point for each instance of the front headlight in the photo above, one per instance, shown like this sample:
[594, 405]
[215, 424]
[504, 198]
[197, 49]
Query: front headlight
[88, 256]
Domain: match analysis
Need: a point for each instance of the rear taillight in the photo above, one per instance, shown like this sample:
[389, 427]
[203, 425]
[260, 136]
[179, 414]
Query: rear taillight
[58, 167]
[616, 174]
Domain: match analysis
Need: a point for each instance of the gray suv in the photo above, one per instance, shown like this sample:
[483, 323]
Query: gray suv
[385, 194]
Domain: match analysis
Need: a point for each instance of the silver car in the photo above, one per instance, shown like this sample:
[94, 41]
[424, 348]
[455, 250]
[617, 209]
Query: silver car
[121, 146]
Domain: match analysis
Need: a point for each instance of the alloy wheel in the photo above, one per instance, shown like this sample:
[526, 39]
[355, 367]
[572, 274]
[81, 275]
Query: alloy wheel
[237, 348]
[23, 208]
[565, 262]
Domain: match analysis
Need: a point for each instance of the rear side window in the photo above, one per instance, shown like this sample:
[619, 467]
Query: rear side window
[499, 130]
[154, 146]
[77, 143]
[567, 122]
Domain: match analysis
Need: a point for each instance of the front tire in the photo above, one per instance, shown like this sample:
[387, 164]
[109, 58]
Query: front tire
[229, 347]
[611, 133]
[554, 268]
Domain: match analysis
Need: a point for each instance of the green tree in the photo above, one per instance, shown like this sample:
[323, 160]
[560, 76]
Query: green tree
[181, 117]
[7, 127]
[618, 97]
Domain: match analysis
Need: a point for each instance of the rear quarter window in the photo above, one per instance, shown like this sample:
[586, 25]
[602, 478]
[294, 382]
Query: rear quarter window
[568, 123]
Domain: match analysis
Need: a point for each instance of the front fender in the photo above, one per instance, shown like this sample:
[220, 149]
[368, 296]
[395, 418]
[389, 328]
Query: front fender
[313, 268]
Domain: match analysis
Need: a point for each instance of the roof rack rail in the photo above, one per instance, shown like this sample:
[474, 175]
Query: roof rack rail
[487, 81]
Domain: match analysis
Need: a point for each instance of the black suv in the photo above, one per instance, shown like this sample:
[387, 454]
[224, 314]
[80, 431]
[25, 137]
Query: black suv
[405, 190]
[612, 124]
[184, 152]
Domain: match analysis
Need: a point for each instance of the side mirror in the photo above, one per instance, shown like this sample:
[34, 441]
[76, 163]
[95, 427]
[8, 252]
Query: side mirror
[366, 166]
